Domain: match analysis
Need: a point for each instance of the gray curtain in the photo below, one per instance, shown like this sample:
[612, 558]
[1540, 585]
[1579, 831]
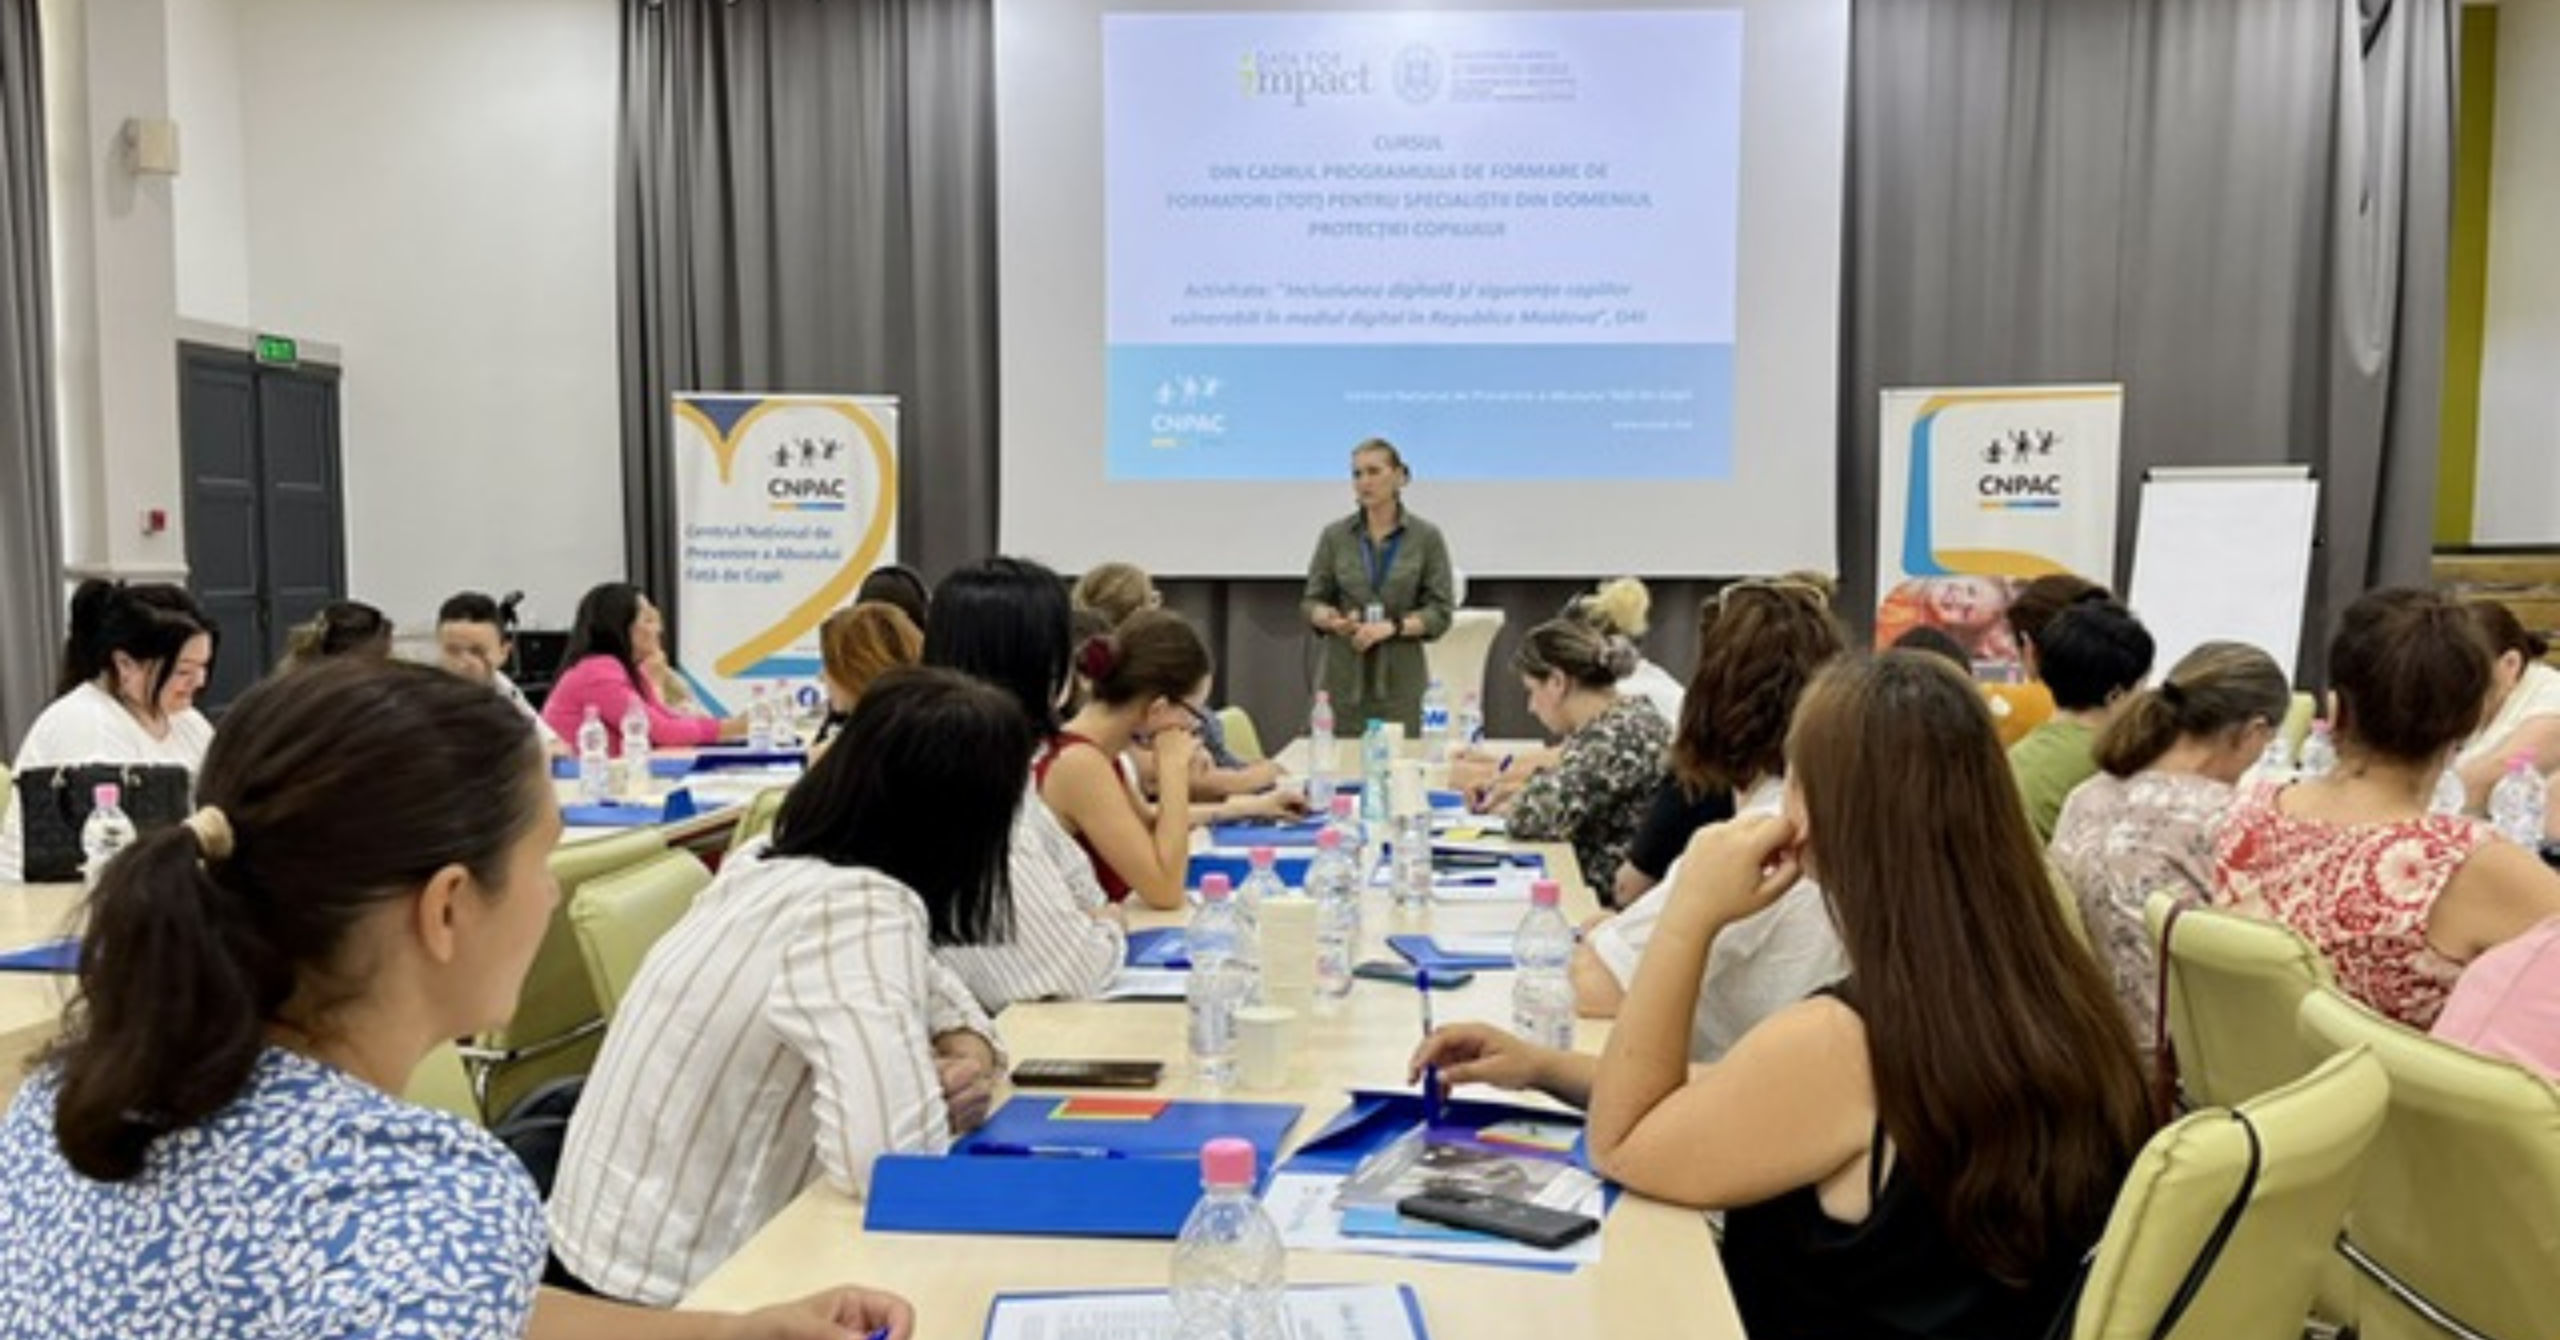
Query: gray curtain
[2238, 208]
[808, 204]
[30, 535]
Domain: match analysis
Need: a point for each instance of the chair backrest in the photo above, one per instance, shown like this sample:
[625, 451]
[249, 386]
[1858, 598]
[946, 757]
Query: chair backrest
[756, 819]
[557, 1000]
[1243, 740]
[2461, 1202]
[2311, 1141]
[2069, 897]
[1457, 659]
[618, 917]
[2297, 722]
[440, 1082]
[2234, 984]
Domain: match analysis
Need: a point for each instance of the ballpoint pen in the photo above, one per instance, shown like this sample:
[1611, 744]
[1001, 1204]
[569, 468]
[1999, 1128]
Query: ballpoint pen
[1430, 1074]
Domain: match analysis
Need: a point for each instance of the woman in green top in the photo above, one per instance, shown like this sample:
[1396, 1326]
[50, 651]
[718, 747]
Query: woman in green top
[1378, 587]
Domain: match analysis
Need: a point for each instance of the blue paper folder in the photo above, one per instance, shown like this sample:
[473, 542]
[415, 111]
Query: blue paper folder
[678, 805]
[1158, 947]
[1250, 835]
[565, 769]
[1424, 952]
[54, 956]
[1140, 1180]
[1291, 869]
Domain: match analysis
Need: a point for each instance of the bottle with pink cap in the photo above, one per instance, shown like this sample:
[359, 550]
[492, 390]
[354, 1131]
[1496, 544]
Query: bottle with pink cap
[105, 832]
[1230, 1273]
[1542, 957]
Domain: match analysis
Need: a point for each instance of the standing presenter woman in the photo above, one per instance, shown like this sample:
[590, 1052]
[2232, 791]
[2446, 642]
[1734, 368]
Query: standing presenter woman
[1378, 587]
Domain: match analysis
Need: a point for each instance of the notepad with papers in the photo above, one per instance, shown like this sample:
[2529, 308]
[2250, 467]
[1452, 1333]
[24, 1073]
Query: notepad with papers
[1041, 1166]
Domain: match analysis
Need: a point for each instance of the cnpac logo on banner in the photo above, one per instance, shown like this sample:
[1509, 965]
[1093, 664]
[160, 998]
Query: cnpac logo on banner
[1984, 488]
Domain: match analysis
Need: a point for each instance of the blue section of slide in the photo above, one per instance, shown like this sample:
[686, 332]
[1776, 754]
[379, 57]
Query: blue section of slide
[1484, 411]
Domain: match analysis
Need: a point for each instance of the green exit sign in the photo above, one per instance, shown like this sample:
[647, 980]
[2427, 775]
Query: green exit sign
[279, 350]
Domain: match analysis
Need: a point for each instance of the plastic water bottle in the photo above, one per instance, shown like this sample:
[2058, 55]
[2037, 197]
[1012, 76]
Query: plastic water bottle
[1470, 723]
[1230, 1273]
[1377, 760]
[105, 832]
[1219, 982]
[635, 744]
[2319, 752]
[760, 721]
[1435, 721]
[1262, 883]
[595, 766]
[1335, 885]
[2517, 803]
[1541, 989]
[2449, 796]
[1320, 760]
[1412, 881]
[2275, 763]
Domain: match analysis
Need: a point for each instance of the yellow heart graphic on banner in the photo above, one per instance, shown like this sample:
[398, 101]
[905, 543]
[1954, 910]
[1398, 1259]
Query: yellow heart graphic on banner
[813, 610]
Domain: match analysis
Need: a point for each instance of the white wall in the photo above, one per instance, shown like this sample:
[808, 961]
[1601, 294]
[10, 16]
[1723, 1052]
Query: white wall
[211, 193]
[430, 188]
[2518, 499]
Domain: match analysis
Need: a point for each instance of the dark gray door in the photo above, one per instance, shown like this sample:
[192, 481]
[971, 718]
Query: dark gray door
[266, 532]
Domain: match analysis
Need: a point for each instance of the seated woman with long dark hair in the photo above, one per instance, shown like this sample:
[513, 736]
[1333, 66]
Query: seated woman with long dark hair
[796, 1023]
[616, 637]
[216, 1147]
[1928, 1149]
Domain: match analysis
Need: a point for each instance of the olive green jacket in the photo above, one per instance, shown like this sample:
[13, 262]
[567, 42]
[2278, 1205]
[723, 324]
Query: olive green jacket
[1386, 682]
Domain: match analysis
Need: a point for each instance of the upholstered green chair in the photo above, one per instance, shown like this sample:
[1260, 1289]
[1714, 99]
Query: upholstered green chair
[2225, 1225]
[2456, 1230]
[442, 1082]
[2234, 984]
[1243, 740]
[618, 917]
[756, 818]
[557, 1025]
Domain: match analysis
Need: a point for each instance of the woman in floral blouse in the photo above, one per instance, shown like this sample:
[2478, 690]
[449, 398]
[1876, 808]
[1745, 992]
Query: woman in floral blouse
[1612, 755]
[2398, 899]
[2146, 823]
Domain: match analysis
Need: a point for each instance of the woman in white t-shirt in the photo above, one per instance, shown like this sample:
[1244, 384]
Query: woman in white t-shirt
[130, 671]
[2522, 715]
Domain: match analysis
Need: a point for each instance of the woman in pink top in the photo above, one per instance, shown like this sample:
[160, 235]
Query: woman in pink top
[2396, 898]
[617, 631]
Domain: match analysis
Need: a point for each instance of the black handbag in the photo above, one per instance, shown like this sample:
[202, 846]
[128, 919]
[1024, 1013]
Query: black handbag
[53, 803]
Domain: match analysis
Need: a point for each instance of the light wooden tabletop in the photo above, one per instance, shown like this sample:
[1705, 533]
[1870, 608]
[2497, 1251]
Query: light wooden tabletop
[31, 1002]
[1658, 1277]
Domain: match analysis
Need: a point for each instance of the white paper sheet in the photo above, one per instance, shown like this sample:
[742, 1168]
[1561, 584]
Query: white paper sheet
[1316, 1312]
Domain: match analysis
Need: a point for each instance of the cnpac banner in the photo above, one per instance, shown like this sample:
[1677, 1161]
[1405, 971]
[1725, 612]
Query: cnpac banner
[783, 503]
[1982, 489]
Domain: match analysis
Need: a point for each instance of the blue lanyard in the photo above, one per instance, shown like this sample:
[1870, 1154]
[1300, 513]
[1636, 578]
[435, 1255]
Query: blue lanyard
[1381, 561]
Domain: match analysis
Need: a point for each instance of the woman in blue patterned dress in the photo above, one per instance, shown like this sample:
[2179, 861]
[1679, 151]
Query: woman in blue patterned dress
[214, 1147]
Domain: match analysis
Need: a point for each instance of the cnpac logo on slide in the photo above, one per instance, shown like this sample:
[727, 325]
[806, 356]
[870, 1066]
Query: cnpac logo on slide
[2021, 472]
[1301, 75]
[1183, 412]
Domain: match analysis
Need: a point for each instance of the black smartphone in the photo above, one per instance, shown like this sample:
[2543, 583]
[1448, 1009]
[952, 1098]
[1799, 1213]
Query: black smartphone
[1066, 1073]
[1516, 1220]
[1402, 974]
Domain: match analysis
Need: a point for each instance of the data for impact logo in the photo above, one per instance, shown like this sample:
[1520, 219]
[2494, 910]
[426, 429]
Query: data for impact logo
[1300, 76]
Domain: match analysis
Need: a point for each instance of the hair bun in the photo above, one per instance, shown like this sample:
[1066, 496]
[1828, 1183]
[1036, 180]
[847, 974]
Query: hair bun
[1098, 657]
[1620, 658]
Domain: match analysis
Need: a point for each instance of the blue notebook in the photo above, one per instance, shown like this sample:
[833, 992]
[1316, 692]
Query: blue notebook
[1377, 1118]
[613, 814]
[1158, 947]
[1125, 1179]
[1424, 952]
[565, 769]
[53, 956]
[1235, 866]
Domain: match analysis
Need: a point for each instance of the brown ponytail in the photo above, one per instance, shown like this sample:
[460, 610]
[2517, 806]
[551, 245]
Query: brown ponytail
[344, 787]
[2220, 686]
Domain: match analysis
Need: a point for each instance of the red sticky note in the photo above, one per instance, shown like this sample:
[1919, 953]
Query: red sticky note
[1097, 1107]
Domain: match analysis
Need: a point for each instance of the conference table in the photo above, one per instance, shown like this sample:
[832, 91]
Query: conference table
[1658, 1276]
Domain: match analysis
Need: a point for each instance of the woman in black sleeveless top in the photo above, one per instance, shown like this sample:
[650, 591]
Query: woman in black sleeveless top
[1928, 1152]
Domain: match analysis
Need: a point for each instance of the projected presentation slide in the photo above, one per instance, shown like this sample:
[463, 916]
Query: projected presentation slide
[1509, 234]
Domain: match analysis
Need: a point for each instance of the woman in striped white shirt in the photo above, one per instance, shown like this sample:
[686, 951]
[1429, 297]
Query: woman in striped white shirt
[1006, 621]
[796, 1023]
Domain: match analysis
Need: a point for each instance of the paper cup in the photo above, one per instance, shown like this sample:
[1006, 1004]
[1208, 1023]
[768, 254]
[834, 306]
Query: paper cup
[1262, 1045]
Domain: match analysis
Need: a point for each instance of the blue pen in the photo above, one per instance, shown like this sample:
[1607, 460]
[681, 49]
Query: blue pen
[1430, 1074]
[1002, 1150]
